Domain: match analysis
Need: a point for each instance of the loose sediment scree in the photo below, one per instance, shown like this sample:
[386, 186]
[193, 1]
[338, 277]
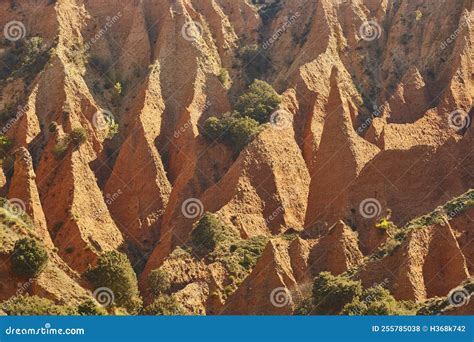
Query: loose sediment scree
[210, 157]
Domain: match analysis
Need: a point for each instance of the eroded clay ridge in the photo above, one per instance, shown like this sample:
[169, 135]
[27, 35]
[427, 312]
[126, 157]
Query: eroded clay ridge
[103, 110]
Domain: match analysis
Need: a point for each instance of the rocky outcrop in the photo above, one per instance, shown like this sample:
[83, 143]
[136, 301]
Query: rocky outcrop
[340, 158]
[336, 252]
[60, 284]
[138, 178]
[78, 220]
[24, 190]
[428, 264]
[299, 251]
[270, 288]
[462, 225]
[401, 189]
[193, 298]
[241, 196]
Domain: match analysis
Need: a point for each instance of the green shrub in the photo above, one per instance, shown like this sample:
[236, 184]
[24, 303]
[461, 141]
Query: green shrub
[35, 306]
[237, 129]
[164, 305]
[355, 308]
[159, 281]
[25, 58]
[224, 77]
[180, 253]
[114, 271]
[238, 256]
[258, 102]
[118, 89]
[384, 224]
[90, 308]
[331, 293]
[232, 130]
[61, 147]
[215, 242]
[304, 308]
[376, 300]
[117, 93]
[5, 143]
[77, 137]
[381, 302]
[207, 233]
[113, 129]
[5, 148]
[214, 129]
[254, 62]
[242, 132]
[29, 257]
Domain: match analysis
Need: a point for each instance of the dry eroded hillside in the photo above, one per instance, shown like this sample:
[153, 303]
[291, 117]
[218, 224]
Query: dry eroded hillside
[104, 110]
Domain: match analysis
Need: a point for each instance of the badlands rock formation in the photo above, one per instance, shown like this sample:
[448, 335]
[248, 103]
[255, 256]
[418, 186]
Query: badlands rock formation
[378, 98]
